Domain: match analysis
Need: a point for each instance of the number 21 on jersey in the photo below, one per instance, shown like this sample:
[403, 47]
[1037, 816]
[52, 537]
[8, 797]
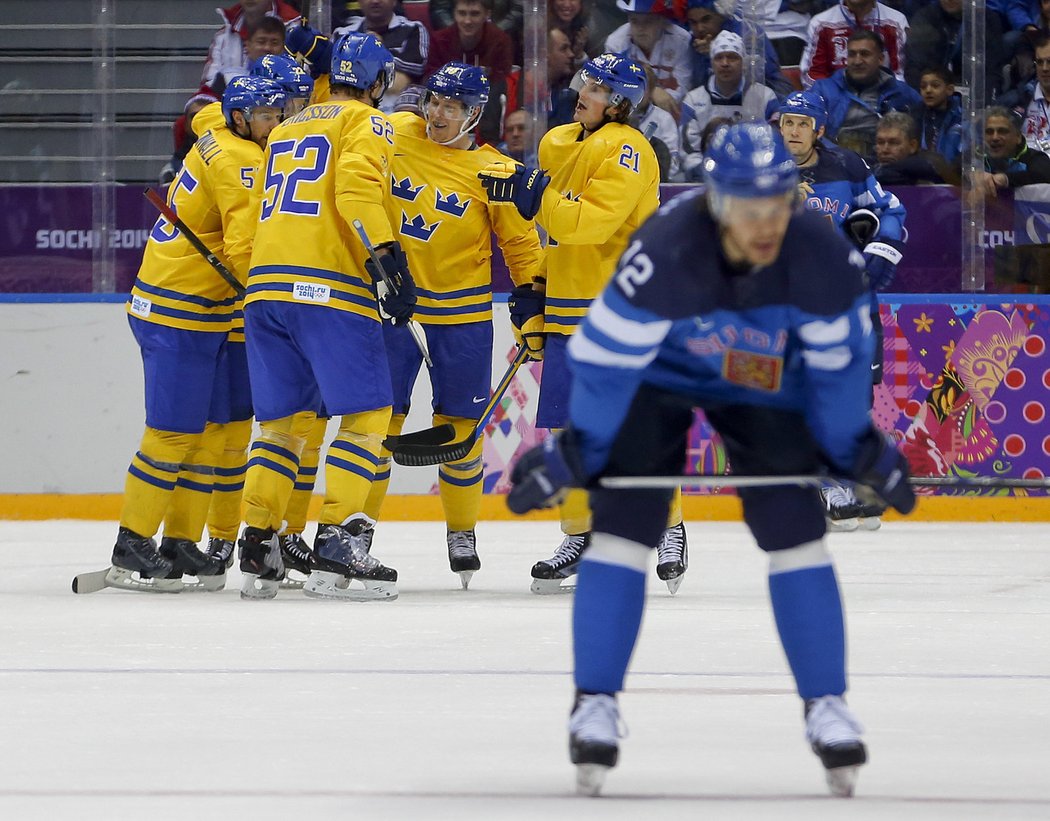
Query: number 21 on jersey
[293, 163]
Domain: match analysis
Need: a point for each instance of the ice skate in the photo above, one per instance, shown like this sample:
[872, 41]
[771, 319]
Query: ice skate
[870, 517]
[341, 560]
[261, 565]
[672, 557]
[840, 508]
[221, 550]
[834, 734]
[548, 575]
[298, 561]
[463, 555]
[594, 733]
[136, 565]
[209, 572]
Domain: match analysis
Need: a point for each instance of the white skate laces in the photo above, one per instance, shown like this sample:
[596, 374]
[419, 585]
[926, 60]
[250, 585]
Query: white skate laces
[597, 719]
[461, 544]
[671, 545]
[830, 723]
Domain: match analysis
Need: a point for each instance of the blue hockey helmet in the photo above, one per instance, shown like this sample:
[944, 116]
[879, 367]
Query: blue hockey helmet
[468, 84]
[288, 74]
[806, 104]
[747, 160]
[245, 93]
[358, 60]
[624, 77]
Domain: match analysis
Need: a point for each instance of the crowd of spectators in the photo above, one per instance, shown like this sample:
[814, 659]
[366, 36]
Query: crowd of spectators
[890, 72]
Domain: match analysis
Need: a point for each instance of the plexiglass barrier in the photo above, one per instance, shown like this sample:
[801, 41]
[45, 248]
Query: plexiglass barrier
[92, 94]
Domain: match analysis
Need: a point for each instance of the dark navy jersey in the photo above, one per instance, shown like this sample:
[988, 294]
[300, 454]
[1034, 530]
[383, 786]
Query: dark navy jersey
[841, 181]
[677, 315]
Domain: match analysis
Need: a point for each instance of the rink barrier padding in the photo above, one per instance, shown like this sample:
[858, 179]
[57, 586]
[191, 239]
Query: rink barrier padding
[420, 508]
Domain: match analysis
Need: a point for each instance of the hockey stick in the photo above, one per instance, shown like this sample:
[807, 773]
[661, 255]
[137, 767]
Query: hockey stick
[658, 482]
[194, 240]
[413, 326]
[426, 447]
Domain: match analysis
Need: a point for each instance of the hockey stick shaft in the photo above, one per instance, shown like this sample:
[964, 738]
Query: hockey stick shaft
[194, 240]
[413, 326]
[421, 454]
[659, 482]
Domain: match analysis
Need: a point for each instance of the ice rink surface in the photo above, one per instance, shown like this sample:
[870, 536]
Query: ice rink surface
[452, 704]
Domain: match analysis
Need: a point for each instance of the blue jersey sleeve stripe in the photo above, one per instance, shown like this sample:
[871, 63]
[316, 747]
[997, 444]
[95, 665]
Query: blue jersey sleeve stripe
[642, 331]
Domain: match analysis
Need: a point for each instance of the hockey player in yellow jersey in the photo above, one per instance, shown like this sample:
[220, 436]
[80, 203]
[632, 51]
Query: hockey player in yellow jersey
[445, 224]
[180, 312]
[312, 325]
[598, 181]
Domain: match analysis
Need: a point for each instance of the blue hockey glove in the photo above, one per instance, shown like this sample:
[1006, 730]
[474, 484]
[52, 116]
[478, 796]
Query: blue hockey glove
[542, 474]
[882, 471]
[881, 258]
[311, 46]
[526, 318]
[515, 183]
[395, 288]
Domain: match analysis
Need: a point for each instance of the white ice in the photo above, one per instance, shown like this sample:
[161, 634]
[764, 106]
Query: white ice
[453, 704]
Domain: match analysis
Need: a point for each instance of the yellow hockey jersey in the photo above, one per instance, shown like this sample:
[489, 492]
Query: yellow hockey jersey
[323, 168]
[212, 195]
[601, 190]
[445, 223]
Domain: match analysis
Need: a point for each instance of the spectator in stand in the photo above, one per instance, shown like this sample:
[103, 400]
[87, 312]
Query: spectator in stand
[899, 161]
[515, 126]
[473, 40]
[228, 49]
[507, 15]
[705, 22]
[726, 94]
[651, 36]
[561, 99]
[266, 37]
[1008, 161]
[787, 30]
[935, 39]
[940, 117]
[571, 17]
[1031, 101]
[859, 94]
[408, 40]
[825, 53]
[660, 129]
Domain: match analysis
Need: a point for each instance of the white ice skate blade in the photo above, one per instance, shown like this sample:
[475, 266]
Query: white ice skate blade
[323, 584]
[290, 582]
[464, 577]
[548, 587]
[869, 523]
[590, 778]
[254, 588]
[842, 780]
[842, 525]
[674, 584]
[204, 584]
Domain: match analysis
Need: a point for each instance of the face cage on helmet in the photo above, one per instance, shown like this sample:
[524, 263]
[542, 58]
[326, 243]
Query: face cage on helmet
[473, 116]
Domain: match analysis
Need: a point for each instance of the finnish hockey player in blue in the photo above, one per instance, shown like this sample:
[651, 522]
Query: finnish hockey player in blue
[741, 303]
[837, 183]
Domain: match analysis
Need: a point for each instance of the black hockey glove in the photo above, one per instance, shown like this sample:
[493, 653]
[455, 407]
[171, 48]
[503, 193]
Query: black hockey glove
[515, 183]
[526, 318]
[881, 472]
[542, 474]
[395, 288]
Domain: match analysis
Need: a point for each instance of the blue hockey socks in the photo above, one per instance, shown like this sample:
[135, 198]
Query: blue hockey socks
[607, 614]
[808, 612]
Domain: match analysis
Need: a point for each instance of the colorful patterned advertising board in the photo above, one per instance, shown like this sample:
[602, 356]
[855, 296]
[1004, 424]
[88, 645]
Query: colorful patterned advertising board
[965, 393]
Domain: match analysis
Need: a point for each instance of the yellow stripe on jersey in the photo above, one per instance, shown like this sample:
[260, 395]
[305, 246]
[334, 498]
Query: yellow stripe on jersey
[602, 189]
[445, 224]
[212, 195]
[323, 168]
